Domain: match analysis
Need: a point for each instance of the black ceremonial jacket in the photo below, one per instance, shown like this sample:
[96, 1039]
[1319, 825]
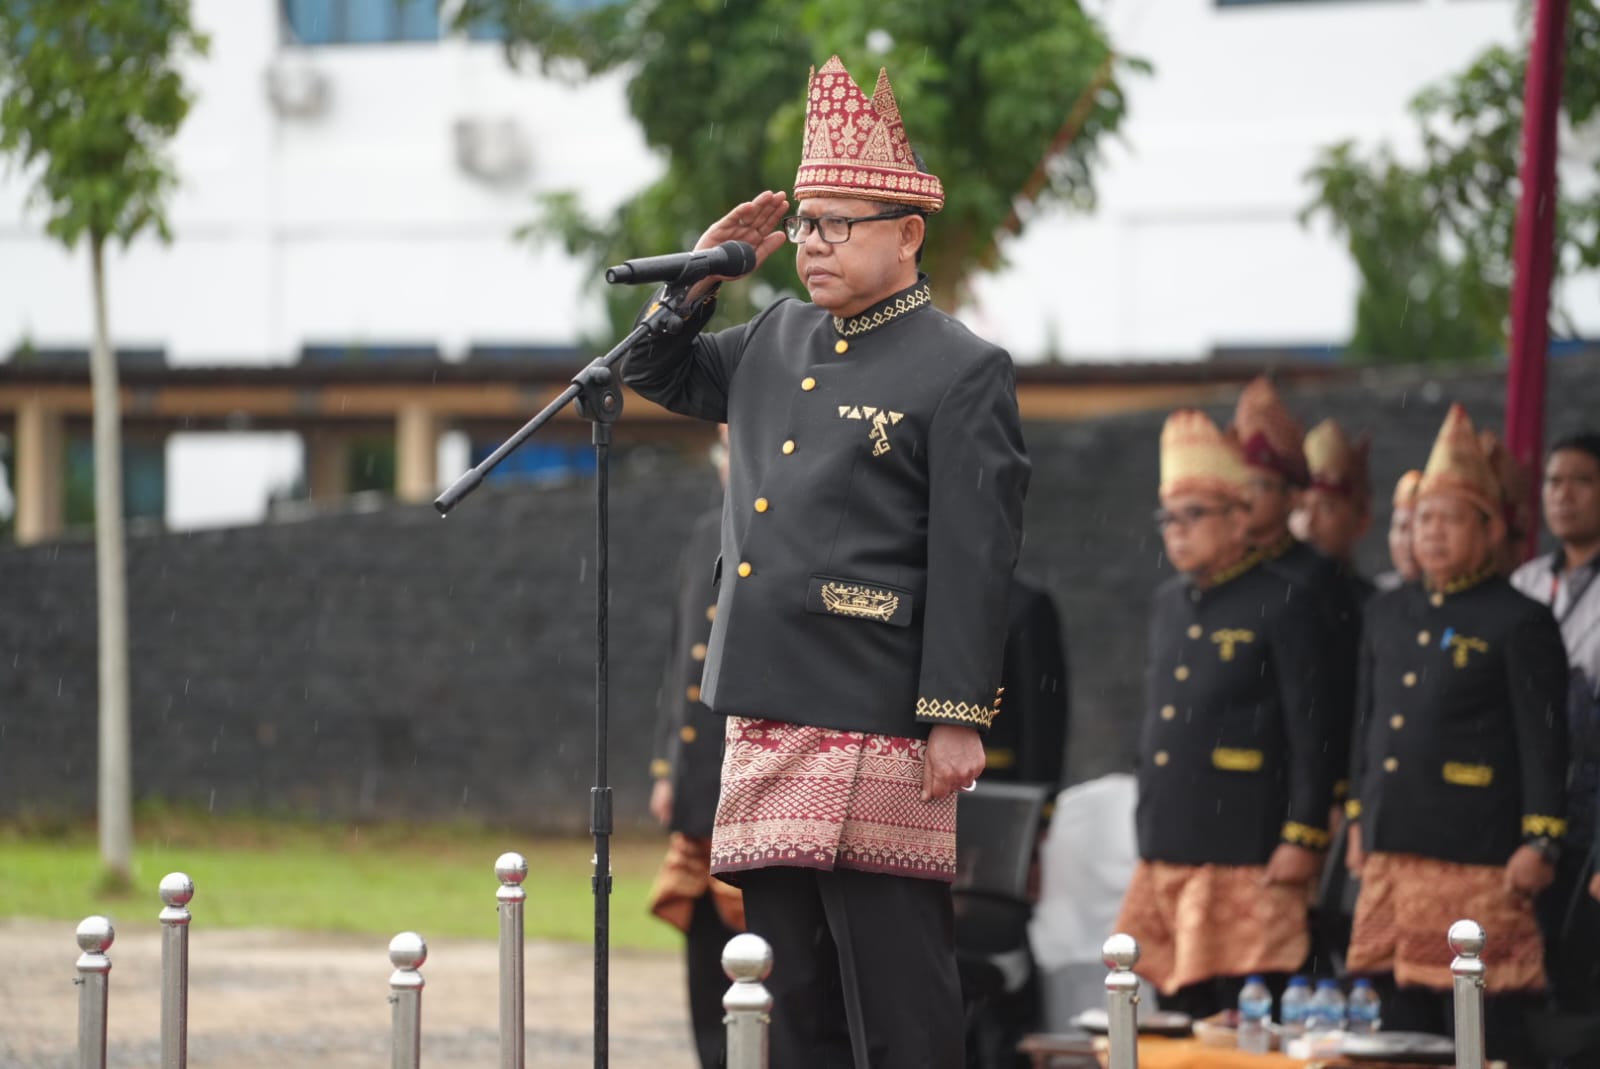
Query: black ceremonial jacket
[873, 516]
[1233, 755]
[689, 735]
[1462, 737]
[1028, 744]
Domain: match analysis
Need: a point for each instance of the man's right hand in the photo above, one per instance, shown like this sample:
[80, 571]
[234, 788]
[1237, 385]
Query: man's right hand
[757, 222]
[661, 801]
[1355, 856]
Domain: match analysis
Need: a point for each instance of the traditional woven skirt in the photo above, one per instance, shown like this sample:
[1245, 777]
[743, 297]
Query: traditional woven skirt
[1405, 910]
[1200, 922]
[817, 798]
[684, 877]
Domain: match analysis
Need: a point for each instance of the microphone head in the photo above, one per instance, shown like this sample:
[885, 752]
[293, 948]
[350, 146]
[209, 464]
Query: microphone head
[740, 258]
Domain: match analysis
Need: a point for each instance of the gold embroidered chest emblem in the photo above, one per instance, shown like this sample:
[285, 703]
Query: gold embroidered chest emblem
[880, 418]
[1461, 646]
[847, 599]
[1229, 639]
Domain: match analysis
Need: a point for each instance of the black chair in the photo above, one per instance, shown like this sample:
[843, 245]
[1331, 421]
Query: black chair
[997, 828]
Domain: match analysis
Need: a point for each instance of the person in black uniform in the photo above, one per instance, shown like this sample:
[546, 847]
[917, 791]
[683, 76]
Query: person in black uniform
[688, 774]
[1459, 808]
[870, 531]
[1029, 743]
[1234, 781]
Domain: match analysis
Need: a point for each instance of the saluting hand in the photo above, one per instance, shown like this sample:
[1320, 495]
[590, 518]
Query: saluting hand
[757, 222]
[955, 759]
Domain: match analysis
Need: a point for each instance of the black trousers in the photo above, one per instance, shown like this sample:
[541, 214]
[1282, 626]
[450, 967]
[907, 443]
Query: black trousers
[706, 938]
[1421, 1009]
[862, 952]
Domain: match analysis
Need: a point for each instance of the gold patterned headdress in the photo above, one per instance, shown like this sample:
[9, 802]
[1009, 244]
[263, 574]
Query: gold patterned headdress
[1196, 457]
[1405, 490]
[1271, 438]
[1337, 465]
[1516, 486]
[1457, 466]
[856, 147]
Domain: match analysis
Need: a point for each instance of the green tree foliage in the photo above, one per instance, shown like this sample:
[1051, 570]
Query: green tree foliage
[1432, 235]
[1008, 103]
[90, 94]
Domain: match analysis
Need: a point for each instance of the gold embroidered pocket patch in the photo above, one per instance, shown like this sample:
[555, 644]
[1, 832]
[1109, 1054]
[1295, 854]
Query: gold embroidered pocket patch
[1237, 760]
[1464, 775]
[1230, 639]
[860, 600]
[880, 418]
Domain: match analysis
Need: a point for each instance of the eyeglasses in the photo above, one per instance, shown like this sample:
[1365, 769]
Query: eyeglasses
[835, 229]
[1187, 517]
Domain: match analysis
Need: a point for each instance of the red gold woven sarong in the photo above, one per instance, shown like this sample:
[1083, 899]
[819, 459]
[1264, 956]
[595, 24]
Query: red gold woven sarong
[685, 875]
[818, 798]
[1404, 912]
[1199, 922]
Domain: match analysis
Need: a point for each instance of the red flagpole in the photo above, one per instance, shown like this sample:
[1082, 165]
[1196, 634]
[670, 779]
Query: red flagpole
[1534, 250]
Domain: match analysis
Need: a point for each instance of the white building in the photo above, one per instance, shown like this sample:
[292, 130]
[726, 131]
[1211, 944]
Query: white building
[364, 194]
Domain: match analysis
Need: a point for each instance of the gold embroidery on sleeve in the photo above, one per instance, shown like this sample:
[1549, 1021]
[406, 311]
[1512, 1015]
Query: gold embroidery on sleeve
[945, 709]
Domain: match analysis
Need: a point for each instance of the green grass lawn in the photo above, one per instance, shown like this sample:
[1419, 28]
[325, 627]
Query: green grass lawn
[370, 879]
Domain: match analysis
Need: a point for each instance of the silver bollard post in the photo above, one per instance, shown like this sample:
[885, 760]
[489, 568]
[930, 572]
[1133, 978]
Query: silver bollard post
[95, 935]
[511, 869]
[407, 951]
[176, 891]
[1121, 954]
[1467, 939]
[747, 960]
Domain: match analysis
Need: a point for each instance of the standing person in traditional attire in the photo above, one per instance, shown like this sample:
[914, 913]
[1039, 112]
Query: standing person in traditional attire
[1565, 581]
[1234, 781]
[1402, 558]
[1338, 502]
[872, 524]
[688, 773]
[1459, 808]
[1516, 490]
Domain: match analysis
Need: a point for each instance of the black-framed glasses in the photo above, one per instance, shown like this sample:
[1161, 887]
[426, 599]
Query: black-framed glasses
[1186, 517]
[835, 229]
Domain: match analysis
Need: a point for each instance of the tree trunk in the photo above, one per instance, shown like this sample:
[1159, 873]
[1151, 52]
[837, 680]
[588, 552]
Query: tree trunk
[116, 777]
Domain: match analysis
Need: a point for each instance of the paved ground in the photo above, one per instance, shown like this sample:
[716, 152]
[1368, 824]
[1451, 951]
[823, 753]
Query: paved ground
[263, 998]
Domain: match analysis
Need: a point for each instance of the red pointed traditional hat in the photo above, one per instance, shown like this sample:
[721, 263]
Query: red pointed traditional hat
[1457, 466]
[855, 147]
[1338, 465]
[1272, 439]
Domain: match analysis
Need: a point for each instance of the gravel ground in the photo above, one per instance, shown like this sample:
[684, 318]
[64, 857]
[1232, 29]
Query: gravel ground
[266, 998]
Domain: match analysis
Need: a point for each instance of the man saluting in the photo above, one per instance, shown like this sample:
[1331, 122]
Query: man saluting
[871, 526]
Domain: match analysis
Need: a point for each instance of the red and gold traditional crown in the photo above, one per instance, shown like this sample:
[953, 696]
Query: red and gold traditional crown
[855, 147]
[1270, 437]
[1337, 465]
[1405, 490]
[1197, 458]
[1457, 466]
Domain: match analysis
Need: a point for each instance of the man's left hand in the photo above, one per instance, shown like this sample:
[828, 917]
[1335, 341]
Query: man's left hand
[1528, 873]
[955, 759]
[1291, 864]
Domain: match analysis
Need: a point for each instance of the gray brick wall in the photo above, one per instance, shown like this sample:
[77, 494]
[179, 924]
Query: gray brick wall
[392, 664]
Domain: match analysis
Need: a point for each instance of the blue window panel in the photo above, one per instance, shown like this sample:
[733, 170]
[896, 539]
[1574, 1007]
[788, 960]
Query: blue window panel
[311, 21]
[338, 22]
[418, 20]
[538, 462]
[487, 29]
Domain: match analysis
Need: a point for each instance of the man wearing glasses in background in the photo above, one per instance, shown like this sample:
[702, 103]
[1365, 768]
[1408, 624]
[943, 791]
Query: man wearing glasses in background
[872, 523]
[1234, 780]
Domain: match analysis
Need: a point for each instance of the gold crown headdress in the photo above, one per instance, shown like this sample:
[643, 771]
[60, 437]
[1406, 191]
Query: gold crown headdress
[1196, 457]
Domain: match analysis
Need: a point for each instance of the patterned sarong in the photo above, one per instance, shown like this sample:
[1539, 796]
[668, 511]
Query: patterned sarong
[1405, 910]
[1199, 922]
[684, 877]
[817, 798]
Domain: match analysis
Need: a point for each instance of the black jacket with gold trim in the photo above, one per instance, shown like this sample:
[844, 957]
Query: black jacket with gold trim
[1461, 745]
[873, 516]
[1233, 753]
[688, 735]
[1028, 744]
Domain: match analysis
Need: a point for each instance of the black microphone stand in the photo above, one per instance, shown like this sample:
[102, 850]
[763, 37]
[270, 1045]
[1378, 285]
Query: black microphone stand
[599, 400]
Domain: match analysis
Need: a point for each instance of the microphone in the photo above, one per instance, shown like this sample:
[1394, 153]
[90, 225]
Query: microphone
[731, 258]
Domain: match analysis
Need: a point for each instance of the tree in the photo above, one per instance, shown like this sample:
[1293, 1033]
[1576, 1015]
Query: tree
[1432, 239]
[92, 94]
[1009, 103]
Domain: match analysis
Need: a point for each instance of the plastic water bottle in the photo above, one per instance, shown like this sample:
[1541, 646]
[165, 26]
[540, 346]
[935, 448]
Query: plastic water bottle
[1364, 1008]
[1294, 1005]
[1255, 1010]
[1327, 1008]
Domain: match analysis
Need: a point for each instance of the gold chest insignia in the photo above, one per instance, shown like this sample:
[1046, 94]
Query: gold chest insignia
[880, 418]
[1461, 646]
[1229, 639]
[848, 599]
